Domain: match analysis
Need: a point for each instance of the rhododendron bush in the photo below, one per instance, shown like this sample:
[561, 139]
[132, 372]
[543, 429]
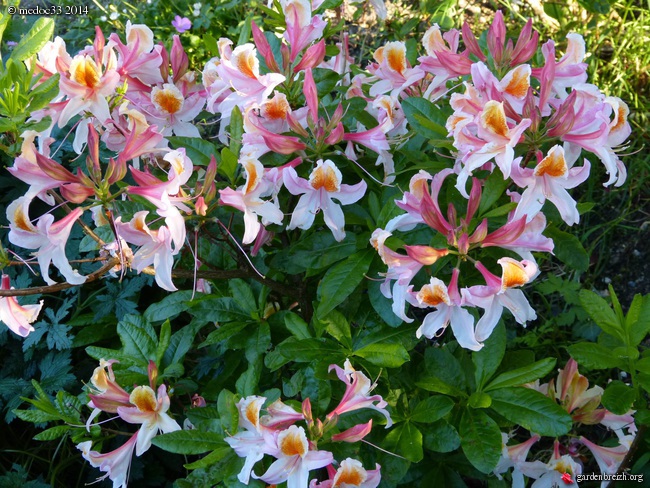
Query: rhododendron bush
[295, 218]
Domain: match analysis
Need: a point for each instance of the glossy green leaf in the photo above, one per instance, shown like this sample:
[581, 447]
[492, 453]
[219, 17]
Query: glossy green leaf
[341, 280]
[432, 409]
[189, 442]
[520, 376]
[487, 360]
[427, 120]
[384, 355]
[138, 338]
[618, 397]
[593, 356]
[532, 410]
[198, 150]
[440, 436]
[405, 440]
[601, 313]
[568, 248]
[338, 327]
[480, 439]
[34, 40]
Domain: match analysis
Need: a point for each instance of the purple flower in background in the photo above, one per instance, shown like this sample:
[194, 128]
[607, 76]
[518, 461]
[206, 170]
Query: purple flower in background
[182, 24]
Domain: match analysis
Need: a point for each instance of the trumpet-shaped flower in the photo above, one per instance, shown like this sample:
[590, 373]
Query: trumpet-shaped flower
[357, 393]
[317, 193]
[294, 459]
[549, 181]
[248, 199]
[115, 464]
[151, 411]
[447, 301]
[47, 236]
[18, 318]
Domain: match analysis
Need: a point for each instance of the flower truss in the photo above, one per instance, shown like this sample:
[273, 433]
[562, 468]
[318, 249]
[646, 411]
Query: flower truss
[143, 406]
[295, 448]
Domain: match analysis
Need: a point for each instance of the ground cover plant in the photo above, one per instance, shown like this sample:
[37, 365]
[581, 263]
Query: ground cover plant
[316, 244]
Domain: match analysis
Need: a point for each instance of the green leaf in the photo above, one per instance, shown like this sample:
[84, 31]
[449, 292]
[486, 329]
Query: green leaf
[443, 364]
[138, 337]
[4, 21]
[519, 376]
[441, 437]
[432, 409]
[224, 332]
[638, 325]
[601, 313]
[405, 440]
[479, 399]
[297, 326]
[36, 416]
[384, 355]
[189, 442]
[218, 309]
[338, 327]
[236, 129]
[243, 295]
[480, 440]
[163, 341]
[494, 187]
[341, 280]
[52, 433]
[315, 252]
[34, 40]
[532, 410]
[228, 165]
[209, 459]
[618, 397]
[568, 249]
[247, 383]
[44, 93]
[487, 360]
[427, 120]
[436, 385]
[197, 149]
[643, 365]
[593, 356]
[169, 307]
[307, 350]
[179, 344]
[499, 211]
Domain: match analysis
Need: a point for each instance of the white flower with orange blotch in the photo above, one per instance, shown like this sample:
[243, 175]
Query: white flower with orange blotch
[253, 442]
[514, 456]
[549, 180]
[88, 81]
[500, 293]
[302, 27]
[155, 247]
[173, 109]
[350, 474]
[317, 194]
[240, 68]
[294, 459]
[138, 61]
[357, 393]
[48, 237]
[116, 464]
[393, 70]
[106, 395]
[151, 411]
[449, 311]
[248, 199]
[498, 140]
[18, 318]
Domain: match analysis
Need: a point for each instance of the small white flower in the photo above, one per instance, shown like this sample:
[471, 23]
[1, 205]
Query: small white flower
[103, 18]
[197, 5]
[196, 13]
[114, 15]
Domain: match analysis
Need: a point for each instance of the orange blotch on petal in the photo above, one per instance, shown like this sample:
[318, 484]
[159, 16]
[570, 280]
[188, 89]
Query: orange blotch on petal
[293, 442]
[519, 83]
[349, 475]
[276, 108]
[433, 295]
[168, 99]
[246, 62]
[85, 72]
[493, 118]
[553, 165]
[514, 274]
[395, 53]
[144, 398]
[22, 220]
[325, 176]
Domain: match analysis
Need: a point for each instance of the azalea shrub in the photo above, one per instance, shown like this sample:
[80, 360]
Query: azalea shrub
[286, 265]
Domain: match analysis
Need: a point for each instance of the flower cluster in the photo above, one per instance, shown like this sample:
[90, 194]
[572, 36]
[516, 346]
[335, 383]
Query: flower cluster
[142, 406]
[512, 119]
[571, 390]
[295, 448]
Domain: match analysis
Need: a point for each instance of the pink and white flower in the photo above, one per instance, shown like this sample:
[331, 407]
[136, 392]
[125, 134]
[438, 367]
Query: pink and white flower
[317, 194]
[116, 464]
[18, 318]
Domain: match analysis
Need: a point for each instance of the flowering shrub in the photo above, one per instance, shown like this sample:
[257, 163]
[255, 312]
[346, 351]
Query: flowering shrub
[215, 181]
